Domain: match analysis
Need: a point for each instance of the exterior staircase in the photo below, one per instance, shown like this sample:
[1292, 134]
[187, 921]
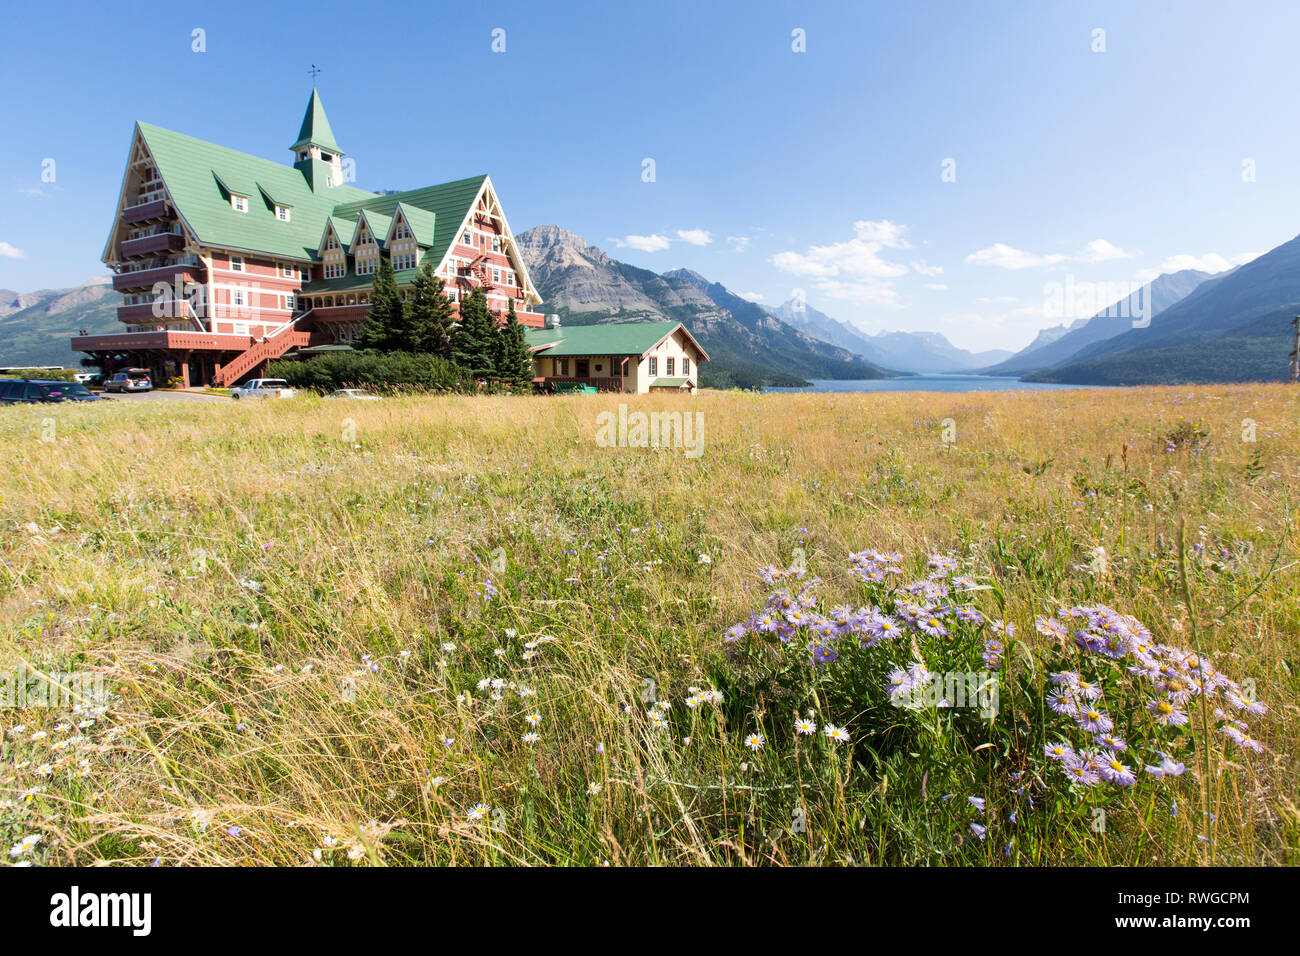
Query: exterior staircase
[269, 348]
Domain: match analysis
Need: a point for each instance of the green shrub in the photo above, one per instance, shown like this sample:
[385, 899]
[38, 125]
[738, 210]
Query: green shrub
[375, 370]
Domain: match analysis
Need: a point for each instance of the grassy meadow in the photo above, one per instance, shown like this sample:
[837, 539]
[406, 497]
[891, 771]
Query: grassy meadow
[459, 630]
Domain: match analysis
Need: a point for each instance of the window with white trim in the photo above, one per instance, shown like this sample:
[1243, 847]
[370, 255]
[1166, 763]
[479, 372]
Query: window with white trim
[239, 203]
[282, 213]
[686, 367]
[236, 263]
[654, 365]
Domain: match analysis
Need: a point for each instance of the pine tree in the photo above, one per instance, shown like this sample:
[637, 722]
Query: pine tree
[429, 314]
[514, 362]
[474, 345]
[384, 319]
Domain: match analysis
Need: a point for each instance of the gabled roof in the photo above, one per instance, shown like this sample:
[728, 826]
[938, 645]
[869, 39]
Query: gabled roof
[196, 173]
[450, 204]
[379, 225]
[618, 338]
[315, 130]
[344, 230]
[421, 221]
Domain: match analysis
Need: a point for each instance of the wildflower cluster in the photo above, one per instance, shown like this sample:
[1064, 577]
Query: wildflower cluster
[1173, 678]
[930, 609]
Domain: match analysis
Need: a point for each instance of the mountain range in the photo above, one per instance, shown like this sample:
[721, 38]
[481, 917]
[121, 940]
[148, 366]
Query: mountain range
[1233, 326]
[1056, 345]
[35, 327]
[747, 345]
[910, 351]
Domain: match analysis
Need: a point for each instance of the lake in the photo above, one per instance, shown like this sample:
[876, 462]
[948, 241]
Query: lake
[928, 383]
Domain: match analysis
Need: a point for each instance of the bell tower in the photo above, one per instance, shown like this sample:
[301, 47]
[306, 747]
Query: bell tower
[315, 153]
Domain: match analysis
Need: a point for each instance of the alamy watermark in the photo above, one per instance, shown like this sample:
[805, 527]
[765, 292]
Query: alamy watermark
[1083, 300]
[657, 429]
[26, 688]
[953, 689]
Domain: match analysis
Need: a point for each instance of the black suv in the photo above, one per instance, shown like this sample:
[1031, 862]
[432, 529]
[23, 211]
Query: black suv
[28, 391]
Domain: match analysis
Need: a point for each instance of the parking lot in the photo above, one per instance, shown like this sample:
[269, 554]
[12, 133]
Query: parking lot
[160, 395]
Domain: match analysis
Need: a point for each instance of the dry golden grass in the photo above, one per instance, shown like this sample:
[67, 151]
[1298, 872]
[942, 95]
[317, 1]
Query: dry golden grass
[228, 567]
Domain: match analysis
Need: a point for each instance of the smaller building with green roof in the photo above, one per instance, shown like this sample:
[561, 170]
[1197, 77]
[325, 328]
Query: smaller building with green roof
[631, 357]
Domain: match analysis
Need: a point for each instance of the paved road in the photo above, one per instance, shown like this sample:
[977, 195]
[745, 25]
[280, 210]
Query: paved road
[165, 396]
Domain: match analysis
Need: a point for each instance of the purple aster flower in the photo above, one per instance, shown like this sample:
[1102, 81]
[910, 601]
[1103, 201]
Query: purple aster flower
[1166, 714]
[1094, 721]
[1113, 771]
[735, 633]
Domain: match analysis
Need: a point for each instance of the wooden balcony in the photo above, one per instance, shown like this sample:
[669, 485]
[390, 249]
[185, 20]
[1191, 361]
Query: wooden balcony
[145, 278]
[160, 310]
[160, 341]
[148, 245]
[145, 211]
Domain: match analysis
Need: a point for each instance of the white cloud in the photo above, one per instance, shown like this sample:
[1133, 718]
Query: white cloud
[927, 270]
[653, 243]
[11, 252]
[862, 293]
[1210, 262]
[936, 286]
[855, 258]
[991, 299]
[882, 231]
[696, 237]
[1099, 250]
[853, 270]
[1008, 257]
[751, 296]
[738, 242]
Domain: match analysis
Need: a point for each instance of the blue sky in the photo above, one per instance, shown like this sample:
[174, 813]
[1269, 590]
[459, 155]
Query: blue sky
[774, 170]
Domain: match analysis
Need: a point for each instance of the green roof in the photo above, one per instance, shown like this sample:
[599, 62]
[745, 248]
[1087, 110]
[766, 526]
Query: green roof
[354, 283]
[619, 338]
[201, 176]
[669, 382]
[449, 203]
[315, 130]
[421, 222]
[344, 230]
[379, 224]
[198, 174]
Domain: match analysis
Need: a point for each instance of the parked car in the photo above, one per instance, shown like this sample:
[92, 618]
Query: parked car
[85, 378]
[129, 380]
[357, 393]
[27, 391]
[263, 388]
[70, 391]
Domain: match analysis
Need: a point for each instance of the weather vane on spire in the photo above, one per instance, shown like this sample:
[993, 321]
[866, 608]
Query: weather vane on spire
[313, 72]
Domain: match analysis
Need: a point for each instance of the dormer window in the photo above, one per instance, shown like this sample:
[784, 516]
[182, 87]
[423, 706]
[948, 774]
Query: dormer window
[239, 203]
[326, 157]
[282, 213]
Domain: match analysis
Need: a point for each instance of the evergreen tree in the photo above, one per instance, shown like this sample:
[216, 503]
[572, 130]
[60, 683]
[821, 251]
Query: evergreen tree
[474, 346]
[429, 314]
[514, 361]
[384, 320]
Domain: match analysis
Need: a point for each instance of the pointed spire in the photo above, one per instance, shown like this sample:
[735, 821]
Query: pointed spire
[315, 129]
